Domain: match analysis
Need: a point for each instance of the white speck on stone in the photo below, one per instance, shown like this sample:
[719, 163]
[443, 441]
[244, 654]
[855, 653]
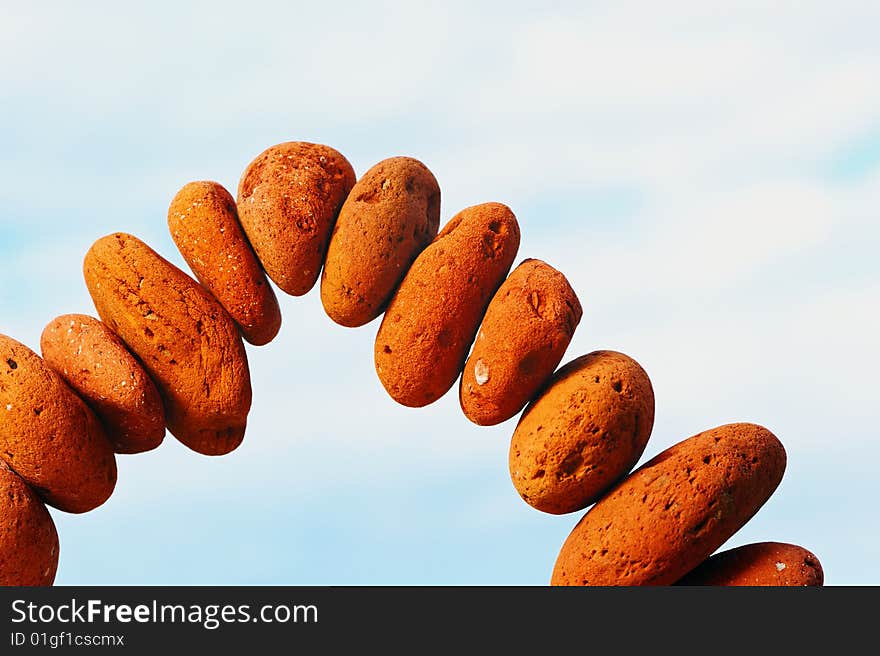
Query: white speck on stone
[124, 383]
[481, 372]
[9, 406]
[780, 567]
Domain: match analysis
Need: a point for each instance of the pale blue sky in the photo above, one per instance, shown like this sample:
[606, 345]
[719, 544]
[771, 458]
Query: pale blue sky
[708, 178]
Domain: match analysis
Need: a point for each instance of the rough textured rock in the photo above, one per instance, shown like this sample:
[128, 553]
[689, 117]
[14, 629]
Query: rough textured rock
[390, 216]
[28, 540]
[431, 321]
[185, 339]
[203, 222]
[288, 200]
[759, 564]
[586, 430]
[525, 332]
[674, 511]
[95, 363]
[49, 436]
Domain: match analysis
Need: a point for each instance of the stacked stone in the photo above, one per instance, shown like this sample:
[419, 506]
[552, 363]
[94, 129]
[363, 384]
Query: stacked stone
[168, 351]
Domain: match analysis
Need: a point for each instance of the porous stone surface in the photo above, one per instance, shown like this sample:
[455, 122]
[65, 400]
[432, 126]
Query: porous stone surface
[759, 564]
[49, 436]
[96, 364]
[674, 511]
[203, 222]
[432, 319]
[28, 539]
[187, 342]
[525, 332]
[390, 216]
[586, 430]
[288, 199]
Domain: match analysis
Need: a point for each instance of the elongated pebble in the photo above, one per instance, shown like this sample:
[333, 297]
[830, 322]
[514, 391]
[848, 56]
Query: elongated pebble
[390, 216]
[673, 512]
[525, 332]
[203, 222]
[185, 339]
[28, 539]
[759, 564]
[95, 363]
[49, 436]
[585, 431]
[429, 325]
